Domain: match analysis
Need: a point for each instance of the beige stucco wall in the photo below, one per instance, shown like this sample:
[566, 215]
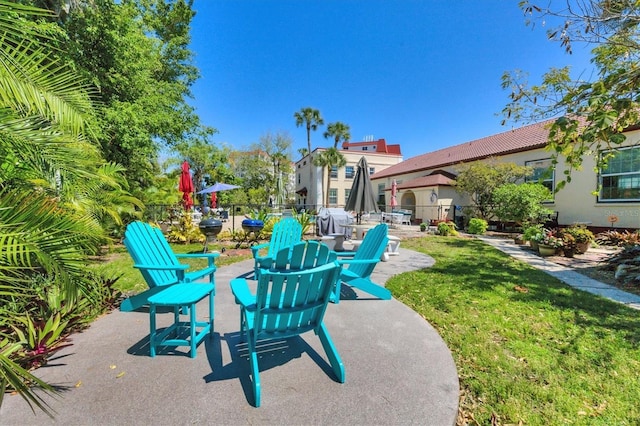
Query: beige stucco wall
[317, 181]
[576, 202]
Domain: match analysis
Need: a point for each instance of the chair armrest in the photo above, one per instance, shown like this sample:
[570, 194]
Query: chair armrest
[357, 262]
[255, 249]
[209, 256]
[197, 255]
[241, 292]
[163, 267]
[345, 253]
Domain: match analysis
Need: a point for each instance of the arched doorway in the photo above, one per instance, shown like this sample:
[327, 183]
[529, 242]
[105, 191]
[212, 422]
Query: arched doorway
[408, 202]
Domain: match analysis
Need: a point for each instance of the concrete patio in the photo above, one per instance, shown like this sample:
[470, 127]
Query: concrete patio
[398, 369]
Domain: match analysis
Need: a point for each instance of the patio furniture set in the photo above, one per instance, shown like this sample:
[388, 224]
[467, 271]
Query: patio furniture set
[295, 281]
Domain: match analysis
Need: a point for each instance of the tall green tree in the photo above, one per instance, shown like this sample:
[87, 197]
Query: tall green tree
[591, 113]
[338, 131]
[204, 156]
[311, 119]
[328, 160]
[135, 52]
[480, 179]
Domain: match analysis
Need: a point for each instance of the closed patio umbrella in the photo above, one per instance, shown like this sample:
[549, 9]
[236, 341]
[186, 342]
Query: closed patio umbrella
[394, 191]
[361, 197]
[185, 185]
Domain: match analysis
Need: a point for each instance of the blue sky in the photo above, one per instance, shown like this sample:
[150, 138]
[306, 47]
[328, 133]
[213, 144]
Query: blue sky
[424, 74]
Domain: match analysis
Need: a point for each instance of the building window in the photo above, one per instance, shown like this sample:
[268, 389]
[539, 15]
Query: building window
[543, 172]
[620, 178]
[333, 196]
[372, 170]
[346, 194]
[334, 172]
[364, 148]
[304, 163]
[298, 178]
[348, 172]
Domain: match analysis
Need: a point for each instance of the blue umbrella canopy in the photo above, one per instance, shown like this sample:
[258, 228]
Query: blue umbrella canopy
[219, 186]
[362, 198]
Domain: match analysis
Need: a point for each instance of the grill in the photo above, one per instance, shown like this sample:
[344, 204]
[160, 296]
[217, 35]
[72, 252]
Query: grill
[210, 228]
[251, 227]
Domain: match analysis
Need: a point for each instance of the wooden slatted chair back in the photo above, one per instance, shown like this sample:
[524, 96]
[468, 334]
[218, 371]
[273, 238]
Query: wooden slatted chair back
[286, 232]
[147, 246]
[303, 255]
[373, 246]
[290, 302]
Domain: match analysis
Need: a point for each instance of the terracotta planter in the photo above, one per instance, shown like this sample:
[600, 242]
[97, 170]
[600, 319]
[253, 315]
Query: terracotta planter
[582, 247]
[546, 250]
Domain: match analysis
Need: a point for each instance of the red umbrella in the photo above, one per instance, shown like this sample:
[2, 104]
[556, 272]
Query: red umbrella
[214, 200]
[394, 190]
[186, 186]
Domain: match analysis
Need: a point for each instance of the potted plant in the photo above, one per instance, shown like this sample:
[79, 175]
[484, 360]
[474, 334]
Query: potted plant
[583, 237]
[568, 245]
[532, 233]
[549, 243]
[423, 227]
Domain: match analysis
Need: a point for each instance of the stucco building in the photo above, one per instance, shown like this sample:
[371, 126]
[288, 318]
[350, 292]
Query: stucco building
[311, 180]
[596, 197]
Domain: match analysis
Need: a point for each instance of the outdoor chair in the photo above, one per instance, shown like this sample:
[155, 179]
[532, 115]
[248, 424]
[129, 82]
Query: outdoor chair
[291, 299]
[286, 232]
[158, 264]
[361, 263]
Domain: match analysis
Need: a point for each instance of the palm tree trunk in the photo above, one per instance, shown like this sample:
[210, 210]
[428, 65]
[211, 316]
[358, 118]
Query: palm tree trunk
[328, 186]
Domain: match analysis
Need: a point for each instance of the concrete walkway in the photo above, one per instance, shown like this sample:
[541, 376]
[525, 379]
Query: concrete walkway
[563, 273]
[398, 370]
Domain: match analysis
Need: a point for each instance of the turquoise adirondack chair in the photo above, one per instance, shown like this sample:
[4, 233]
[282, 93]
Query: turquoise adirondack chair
[158, 264]
[361, 263]
[291, 299]
[286, 232]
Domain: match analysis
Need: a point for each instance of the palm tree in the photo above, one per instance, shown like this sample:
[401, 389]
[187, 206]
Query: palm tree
[327, 160]
[339, 131]
[311, 118]
[55, 188]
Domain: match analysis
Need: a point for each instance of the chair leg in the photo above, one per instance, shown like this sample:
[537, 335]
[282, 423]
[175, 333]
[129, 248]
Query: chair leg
[335, 293]
[332, 352]
[211, 313]
[192, 321]
[152, 330]
[255, 373]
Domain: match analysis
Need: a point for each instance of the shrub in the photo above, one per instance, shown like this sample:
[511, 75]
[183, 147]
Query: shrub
[447, 228]
[616, 238]
[477, 226]
[531, 233]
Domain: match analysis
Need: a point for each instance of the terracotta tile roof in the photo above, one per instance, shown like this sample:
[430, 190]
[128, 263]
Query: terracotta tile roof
[381, 146]
[524, 138]
[421, 182]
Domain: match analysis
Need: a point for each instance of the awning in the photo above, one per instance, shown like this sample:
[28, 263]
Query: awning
[302, 191]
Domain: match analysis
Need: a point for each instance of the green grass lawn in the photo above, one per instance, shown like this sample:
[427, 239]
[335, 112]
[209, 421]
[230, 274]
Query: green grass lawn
[529, 349]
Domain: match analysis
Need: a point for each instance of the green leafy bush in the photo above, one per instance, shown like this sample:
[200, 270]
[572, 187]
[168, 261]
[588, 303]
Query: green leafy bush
[447, 228]
[477, 226]
[533, 232]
